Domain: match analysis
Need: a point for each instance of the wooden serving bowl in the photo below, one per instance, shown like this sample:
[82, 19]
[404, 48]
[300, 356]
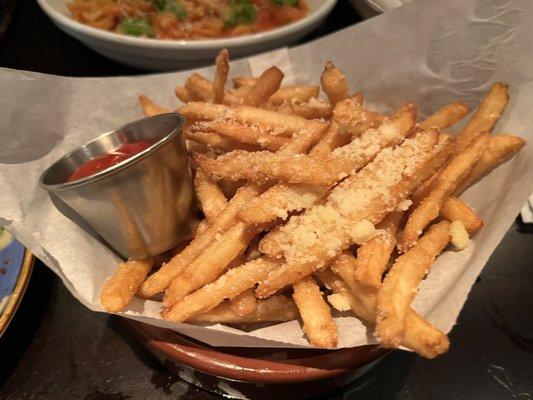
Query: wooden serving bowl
[256, 373]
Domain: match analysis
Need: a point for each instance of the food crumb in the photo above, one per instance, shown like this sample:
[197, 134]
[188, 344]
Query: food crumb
[339, 301]
[460, 238]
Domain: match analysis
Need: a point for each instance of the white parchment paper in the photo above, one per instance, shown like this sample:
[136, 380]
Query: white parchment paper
[428, 51]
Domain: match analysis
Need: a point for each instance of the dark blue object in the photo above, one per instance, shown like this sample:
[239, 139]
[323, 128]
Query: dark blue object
[11, 259]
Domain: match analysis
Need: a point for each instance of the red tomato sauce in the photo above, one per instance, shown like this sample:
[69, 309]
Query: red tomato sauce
[106, 161]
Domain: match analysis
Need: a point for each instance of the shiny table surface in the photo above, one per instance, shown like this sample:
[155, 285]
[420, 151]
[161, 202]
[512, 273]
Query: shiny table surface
[57, 349]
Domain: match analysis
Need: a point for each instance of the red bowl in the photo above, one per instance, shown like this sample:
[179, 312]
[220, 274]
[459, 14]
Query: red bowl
[244, 372]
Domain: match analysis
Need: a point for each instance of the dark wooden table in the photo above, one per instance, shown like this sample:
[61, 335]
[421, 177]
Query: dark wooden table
[57, 349]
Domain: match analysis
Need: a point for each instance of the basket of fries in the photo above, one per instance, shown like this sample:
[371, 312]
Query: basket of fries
[317, 207]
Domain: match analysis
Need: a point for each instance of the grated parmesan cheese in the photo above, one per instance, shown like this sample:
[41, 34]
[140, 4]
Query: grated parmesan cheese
[362, 231]
[339, 302]
[404, 205]
[460, 238]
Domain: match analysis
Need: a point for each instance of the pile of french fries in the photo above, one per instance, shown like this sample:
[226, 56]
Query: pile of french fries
[313, 206]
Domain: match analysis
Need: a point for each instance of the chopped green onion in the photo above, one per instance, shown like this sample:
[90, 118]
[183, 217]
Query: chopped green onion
[242, 12]
[293, 3]
[136, 27]
[171, 7]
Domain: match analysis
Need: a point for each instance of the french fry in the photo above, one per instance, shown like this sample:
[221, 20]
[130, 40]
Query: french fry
[159, 280]
[217, 142]
[334, 137]
[332, 282]
[426, 185]
[277, 123]
[400, 284]
[118, 291]
[221, 75]
[354, 118]
[249, 135]
[244, 303]
[201, 228]
[345, 266]
[210, 195]
[183, 94]
[455, 209]
[243, 82]
[500, 149]
[334, 83]
[423, 338]
[150, 108]
[447, 182]
[305, 139]
[373, 256]
[198, 88]
[278, 201]
[264, 166]
[420, 336]
[229, 285]
[211, 262]
[318, 323]
[296, 94]
[486, 116]
[360, 151]
[425, 188]
[265, 86]
[446, 116]
[313, 109]
[274, 309]
[314, 238]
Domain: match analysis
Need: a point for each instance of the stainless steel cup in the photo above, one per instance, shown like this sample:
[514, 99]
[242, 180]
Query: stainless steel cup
[142, 206]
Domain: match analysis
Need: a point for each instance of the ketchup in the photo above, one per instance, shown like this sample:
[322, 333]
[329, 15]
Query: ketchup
[105, 161]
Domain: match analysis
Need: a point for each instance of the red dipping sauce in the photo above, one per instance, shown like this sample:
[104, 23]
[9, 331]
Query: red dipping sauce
[105, 161]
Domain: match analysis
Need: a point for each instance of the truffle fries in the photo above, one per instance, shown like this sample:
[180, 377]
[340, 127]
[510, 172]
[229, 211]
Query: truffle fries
[229, 285]
[446, 183]
[349, 212]
[280, 200]
[247, 134]
[119, 290]
[373, 255]
[264, 87]
[160, 280]
[400, 285]
[499, 150]
[150, 108]
[420, 336]
[264, 166]
[221, 75]
[354, 118]
[446, 116]
[454, 209]
[211, 262]
[334, 83]
[212, 199]
[321, 178]
[486, 116]
[316, 315]
[244, 303]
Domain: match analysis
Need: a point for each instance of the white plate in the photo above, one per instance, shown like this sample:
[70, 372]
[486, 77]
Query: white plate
[370, 8]
[156, 54]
